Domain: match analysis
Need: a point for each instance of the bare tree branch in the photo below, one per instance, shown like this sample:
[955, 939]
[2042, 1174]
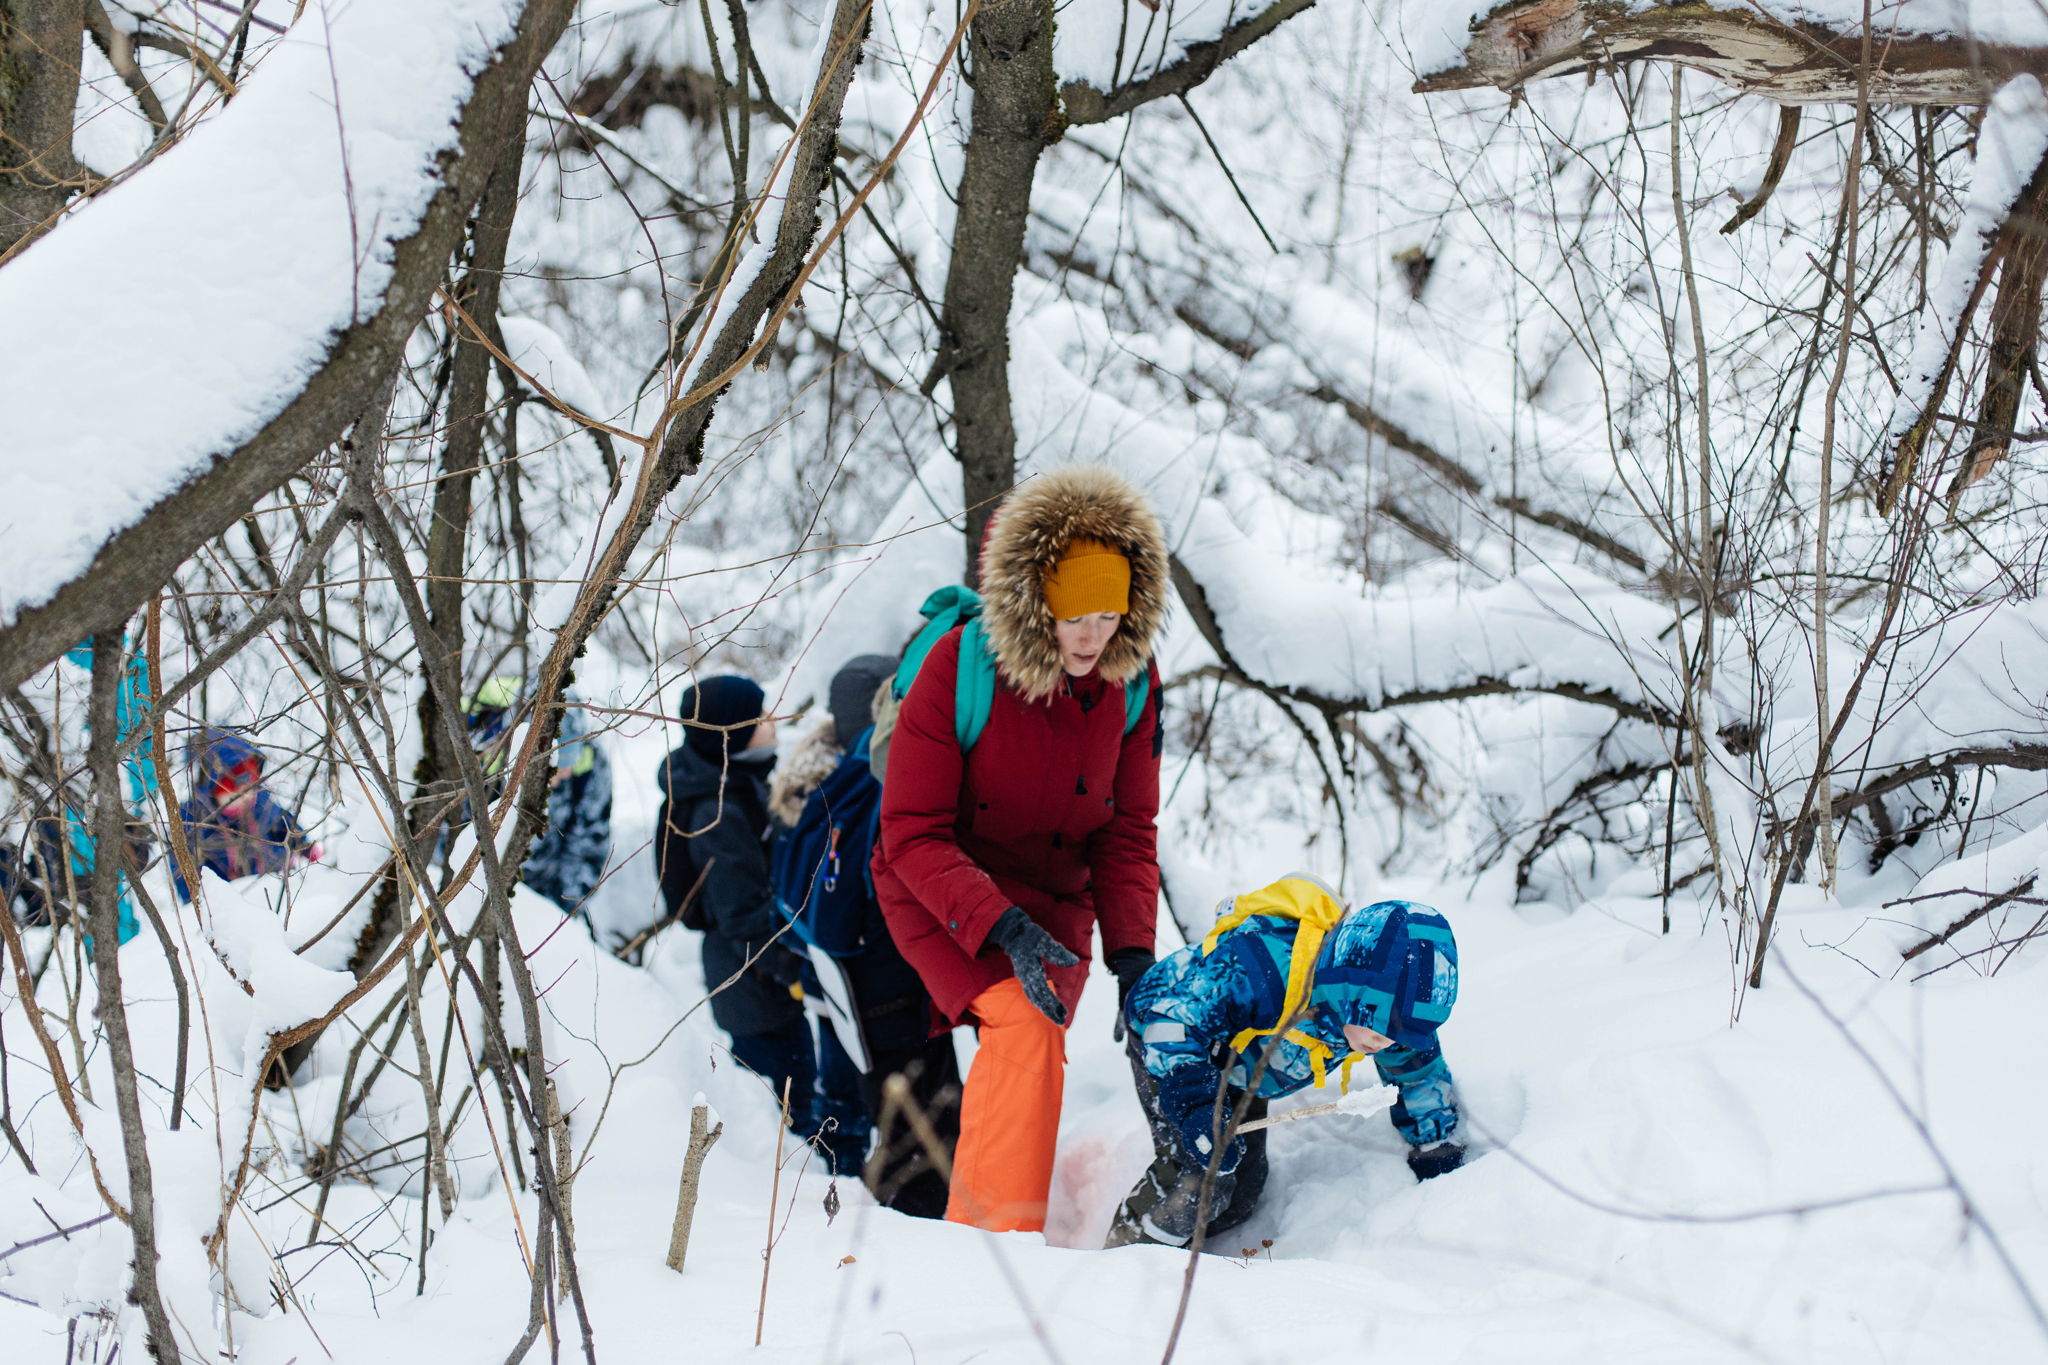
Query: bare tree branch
[109, 863]
[817, 147]
[1083, 103]
[119, 50]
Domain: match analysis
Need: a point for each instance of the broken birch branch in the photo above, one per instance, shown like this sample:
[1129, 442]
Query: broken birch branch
[1364, 1103]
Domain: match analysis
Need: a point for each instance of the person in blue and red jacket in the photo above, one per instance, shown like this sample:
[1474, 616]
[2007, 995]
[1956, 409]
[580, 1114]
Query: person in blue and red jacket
[235, 826]
[996, 865]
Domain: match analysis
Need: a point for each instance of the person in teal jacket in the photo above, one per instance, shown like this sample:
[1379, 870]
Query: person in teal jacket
[1290, 989]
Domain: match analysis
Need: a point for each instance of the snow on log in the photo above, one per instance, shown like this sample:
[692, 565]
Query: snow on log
[1557, 630]
[2011, 147]
[190, 340]
[1799, 52]
[1281, 624]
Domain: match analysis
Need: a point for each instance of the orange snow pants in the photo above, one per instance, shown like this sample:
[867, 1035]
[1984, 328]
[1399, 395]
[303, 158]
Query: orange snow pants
[1009, 1115]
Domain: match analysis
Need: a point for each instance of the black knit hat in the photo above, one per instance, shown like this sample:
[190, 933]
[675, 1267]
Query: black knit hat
[727, 700]
[852, 695]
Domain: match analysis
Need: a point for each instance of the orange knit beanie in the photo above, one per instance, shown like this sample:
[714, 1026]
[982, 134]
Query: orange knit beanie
[1090, 577]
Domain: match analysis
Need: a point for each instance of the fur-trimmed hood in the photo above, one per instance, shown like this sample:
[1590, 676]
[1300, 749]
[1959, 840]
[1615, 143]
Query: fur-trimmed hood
[799, 771]
[1032, 529]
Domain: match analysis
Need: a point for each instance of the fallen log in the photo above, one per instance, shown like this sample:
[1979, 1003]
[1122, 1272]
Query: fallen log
[1918, 57]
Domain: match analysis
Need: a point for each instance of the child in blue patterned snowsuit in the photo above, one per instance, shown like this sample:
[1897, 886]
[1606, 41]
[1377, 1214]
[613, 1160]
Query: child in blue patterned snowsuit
[1375, 981]
[236, 828]
[568, 857]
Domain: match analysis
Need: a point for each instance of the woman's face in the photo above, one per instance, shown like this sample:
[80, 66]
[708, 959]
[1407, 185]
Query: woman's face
[1083, 638]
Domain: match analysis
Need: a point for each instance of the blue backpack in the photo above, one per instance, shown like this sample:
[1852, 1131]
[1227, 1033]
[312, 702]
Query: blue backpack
[820, 867]
[974, 693]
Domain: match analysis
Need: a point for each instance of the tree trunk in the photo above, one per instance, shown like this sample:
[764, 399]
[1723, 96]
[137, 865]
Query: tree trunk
[41, 45]
[1019, 110]
[469, 401]
[461, 456]
[1010, 46]
[109, 860]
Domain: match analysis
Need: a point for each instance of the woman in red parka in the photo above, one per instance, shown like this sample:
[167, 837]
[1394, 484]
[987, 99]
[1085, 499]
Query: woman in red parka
[993, 866]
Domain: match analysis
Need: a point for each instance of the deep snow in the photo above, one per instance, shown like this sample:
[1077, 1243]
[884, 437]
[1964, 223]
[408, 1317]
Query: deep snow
[1635, 1193]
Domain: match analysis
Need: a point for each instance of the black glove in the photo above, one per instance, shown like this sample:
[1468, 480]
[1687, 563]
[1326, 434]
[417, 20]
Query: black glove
[1030, 948]
[1127, 965]
[1438, 1158]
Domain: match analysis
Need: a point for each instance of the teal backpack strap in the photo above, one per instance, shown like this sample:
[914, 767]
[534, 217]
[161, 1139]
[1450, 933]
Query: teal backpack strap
[944, 609]
[1136, 691]
[974, 693]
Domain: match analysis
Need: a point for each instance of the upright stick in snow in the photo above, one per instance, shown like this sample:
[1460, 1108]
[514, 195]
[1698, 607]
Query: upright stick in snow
[774, 1196]
[1699, 673]
[701, 1142]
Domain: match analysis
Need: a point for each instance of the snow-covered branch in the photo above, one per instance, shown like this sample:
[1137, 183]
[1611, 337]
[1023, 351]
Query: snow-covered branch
[1421, 683]
[270, 269]
[1083, 102]
[1999, 235]
[1455, 474]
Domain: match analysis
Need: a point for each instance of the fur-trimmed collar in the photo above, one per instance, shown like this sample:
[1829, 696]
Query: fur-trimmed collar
[798, 772]
[1032, 530]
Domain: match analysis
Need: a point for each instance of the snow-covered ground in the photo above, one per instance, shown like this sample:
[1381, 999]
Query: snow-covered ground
[1647, 1183]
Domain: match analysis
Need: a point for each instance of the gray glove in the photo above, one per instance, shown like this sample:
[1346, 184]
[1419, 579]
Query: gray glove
[1030, 948]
